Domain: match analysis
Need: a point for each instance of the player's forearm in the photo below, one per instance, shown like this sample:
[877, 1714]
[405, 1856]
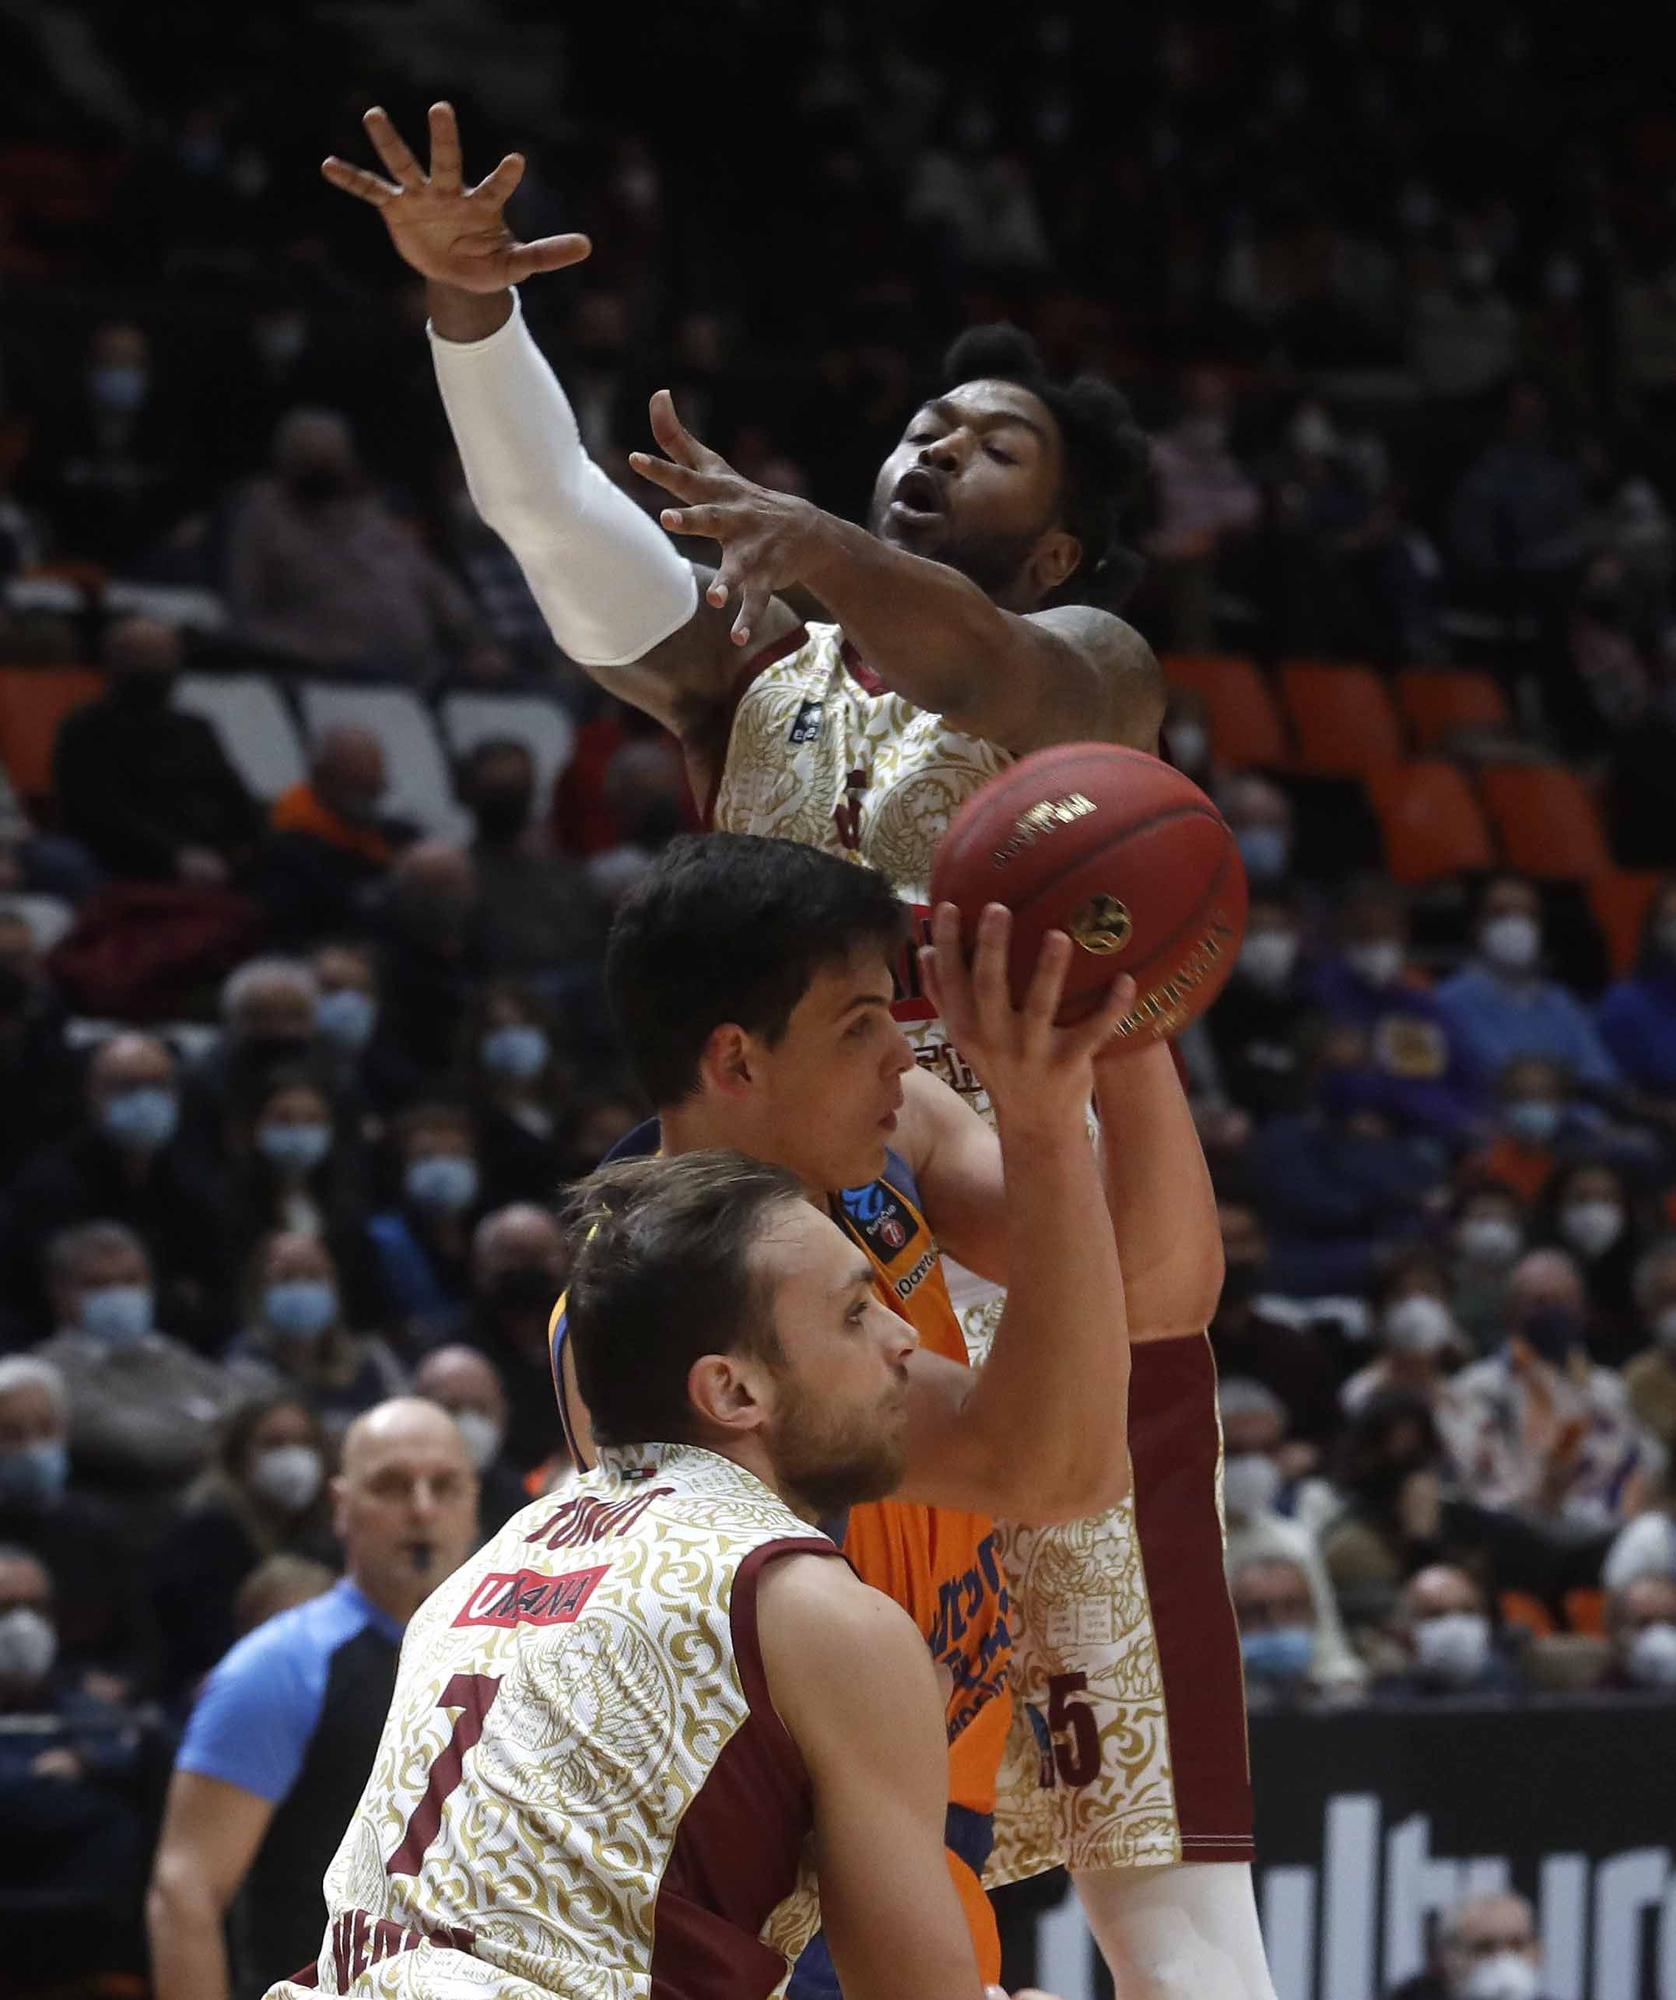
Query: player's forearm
[610, 584]
[188, 1946]
[1055, 1388]
[466, 316]
[1163, 1206]
[930, 635]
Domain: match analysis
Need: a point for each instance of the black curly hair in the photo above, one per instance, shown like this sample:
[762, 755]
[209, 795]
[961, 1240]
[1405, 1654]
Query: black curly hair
[1105, 454]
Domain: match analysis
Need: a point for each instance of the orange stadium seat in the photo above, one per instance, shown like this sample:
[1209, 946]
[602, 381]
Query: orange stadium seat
[1546, 820]
[1245, 724]
[1619, 901]
[33, 702]
[1431, 823]
[1343, 719]
[1436, 702]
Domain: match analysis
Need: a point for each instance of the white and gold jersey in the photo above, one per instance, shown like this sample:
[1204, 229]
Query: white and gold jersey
[582, 1788]
[1127, 1746]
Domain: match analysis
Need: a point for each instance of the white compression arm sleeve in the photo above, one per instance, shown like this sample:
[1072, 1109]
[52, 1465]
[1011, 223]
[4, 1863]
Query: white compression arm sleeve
[609, 581]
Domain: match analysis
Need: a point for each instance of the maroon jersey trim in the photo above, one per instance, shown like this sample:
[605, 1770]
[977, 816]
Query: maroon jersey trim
[758, 664]
[736, 1851]
[1173, 1447]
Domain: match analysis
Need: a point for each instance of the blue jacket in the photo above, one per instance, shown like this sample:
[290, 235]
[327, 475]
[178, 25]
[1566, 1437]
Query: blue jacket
[1637, 1021]
[1494, 1021]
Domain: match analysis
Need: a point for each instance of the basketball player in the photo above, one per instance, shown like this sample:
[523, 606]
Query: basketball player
[751, 983]
[967, 629]
[615, 1726]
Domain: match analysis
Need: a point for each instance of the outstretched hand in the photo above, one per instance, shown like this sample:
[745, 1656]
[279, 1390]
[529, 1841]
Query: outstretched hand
[446, 231]
[1025, 1060]
[764, 535]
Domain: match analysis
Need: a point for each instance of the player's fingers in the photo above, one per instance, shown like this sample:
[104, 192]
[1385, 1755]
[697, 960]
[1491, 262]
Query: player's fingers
[496, 189]
[753, 602]
[1116, 1008]
[674, 437]
[445, 149]
[358, 182]
[989, 965]
[1047, 980]
[392, 148]
[712, 523]
[670, 474]
[546, 253]
[943, 967]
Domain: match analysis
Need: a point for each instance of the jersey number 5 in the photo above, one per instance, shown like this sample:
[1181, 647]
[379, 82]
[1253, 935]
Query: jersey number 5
[1077, 1760]
[473, 1695]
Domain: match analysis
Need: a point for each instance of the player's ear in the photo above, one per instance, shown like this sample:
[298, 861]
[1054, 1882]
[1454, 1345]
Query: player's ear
[725, 1063]
[726, 1393]
[1054, 558]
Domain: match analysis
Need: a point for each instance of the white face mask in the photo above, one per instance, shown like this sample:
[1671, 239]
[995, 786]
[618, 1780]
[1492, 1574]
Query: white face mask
[290, 1475]
[1250, 1484]
[1591, 1227]
[1651, 1661]
[1267, 958]
[1380, 964]
[1489, 1239]
[28, 1644]
[1512, 943]
[1454, 1649]
[1509, 1975]
[1418, 1325]
[482, 1437]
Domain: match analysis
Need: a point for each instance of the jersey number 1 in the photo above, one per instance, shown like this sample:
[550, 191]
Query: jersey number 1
[473, 1695]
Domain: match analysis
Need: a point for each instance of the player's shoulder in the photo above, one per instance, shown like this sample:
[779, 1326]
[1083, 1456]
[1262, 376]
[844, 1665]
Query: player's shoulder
[814, 1613]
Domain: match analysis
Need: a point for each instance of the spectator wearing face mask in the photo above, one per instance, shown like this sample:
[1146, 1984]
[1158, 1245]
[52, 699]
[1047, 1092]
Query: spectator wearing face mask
[1368, 982]
[1203, 498]
[1387, 1470]
[1266, 1508]
[1259, 814]
[1641, 1625]
[1186, 736]
[1543, 1432]
[263, 1494]
[296, 1168]
[296, 1338]
[126, 1161]
[1650, 1378]
[421, 1245]
[1486, 1239]
[1253, 1336]
[1637, 1017]
[1419, 1341]
[103, 1624]
[1499, 1007]
[468, 1386]
[267, 1027]
[1280, 1636]
[1487, 1949]
[116, 452]
[330, 846]
[1540, 1124]
[432, 952]
[365, 1068]
[40, 1080]
[1590, 1213]
[144, 1409]
[145, 787]
[1443, 1635]
[518, 1270]
[538, 914]
[71, 1838]
[1260, 1027]
[518, 1094]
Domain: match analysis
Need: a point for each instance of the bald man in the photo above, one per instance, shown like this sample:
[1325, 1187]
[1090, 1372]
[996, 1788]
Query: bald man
[122, 1163]
[283, 1734]
[518, 1270]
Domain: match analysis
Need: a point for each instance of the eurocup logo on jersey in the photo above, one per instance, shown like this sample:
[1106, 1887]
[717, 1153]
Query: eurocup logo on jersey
[806, 724]
[880, 1217]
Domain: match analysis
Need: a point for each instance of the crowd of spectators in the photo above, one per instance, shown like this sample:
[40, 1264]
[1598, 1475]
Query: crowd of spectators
[301, 1161]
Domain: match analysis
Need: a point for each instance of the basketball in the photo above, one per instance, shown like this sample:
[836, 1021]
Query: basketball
[1122, 852]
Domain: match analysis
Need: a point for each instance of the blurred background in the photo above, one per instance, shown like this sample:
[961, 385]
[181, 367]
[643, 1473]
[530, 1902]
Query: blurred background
[309, 839]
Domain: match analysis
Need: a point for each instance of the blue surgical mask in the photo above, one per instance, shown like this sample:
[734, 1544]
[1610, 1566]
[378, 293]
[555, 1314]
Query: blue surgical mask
[117, 1315]
[447, 1181]
[142, 1119]
[121, 387]
[35, 1475]
[1266, 852]
[294, 1149]
[346, 1017]
[1534, 1120]
[300, 1308]
[519, 1052]
[1281, 1655]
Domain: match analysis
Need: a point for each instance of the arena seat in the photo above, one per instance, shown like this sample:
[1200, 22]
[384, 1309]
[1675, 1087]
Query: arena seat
[1547, 822]
[1246, 727]
[1430, 821]
[33, 702]
[421, 784]
[1439, 702]
[1619, 902]
[251, 718]
[1343, 719]
[473, 717]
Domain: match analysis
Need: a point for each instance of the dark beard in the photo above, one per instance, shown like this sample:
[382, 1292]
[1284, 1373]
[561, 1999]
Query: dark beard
[824, 1466]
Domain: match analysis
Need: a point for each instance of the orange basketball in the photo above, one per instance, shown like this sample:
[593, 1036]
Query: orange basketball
[1121, 851]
